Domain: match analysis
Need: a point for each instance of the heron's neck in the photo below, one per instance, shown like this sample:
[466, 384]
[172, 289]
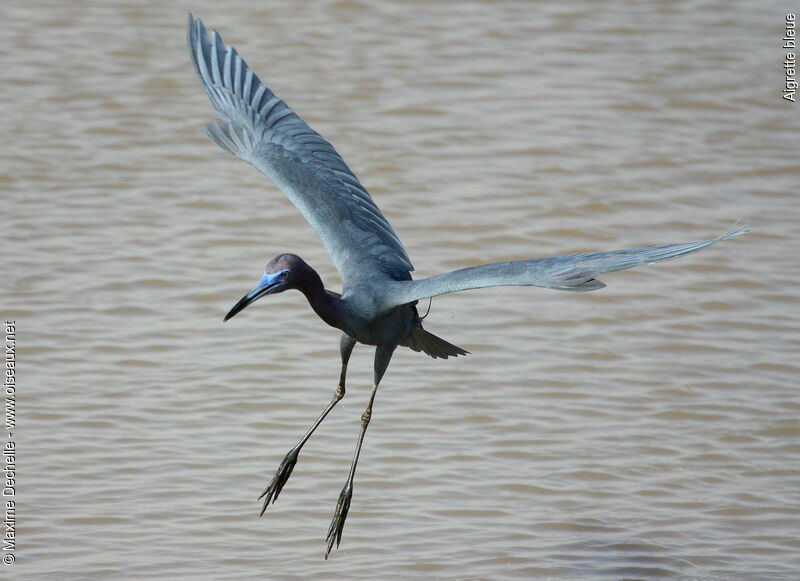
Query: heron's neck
[327, 306]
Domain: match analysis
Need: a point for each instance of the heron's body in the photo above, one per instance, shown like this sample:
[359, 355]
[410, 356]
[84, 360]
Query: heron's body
[378, 302]
[358, 313]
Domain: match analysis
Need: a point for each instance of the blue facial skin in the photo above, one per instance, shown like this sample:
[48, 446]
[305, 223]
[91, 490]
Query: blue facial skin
[269, 284]
[267, 281]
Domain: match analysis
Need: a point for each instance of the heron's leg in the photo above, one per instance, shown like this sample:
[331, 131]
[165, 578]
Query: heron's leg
[383, 354]
[275, 486]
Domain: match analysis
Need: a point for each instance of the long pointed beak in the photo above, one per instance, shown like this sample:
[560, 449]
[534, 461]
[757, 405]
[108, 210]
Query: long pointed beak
[267, 285]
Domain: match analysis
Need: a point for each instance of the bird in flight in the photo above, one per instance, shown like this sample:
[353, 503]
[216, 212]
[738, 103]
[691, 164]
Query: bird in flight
[377, 305]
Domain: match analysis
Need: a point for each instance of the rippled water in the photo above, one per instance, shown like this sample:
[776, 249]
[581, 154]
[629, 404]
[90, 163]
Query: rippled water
[649, 430]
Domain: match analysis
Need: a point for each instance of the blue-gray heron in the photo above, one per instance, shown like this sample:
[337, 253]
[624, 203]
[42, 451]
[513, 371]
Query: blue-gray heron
[377, 305]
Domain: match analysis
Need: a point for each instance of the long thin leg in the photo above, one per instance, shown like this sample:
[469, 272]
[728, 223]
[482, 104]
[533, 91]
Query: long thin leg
[270, 494]
[383, 354]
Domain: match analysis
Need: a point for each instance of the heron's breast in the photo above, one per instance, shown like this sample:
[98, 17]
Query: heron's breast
[387, 328]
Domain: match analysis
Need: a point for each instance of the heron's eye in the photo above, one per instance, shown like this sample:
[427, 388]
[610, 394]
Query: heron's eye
[285, 274]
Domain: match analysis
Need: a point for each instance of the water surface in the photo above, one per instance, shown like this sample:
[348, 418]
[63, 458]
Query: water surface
[646, 431]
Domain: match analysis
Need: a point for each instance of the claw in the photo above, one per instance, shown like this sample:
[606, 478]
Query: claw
[337, 524]
[271, 492]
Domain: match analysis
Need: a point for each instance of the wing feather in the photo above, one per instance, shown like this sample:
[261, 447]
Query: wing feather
[574, 272]
[258, 127]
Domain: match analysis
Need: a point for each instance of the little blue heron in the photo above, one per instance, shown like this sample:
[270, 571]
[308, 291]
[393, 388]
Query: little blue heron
[377, 305]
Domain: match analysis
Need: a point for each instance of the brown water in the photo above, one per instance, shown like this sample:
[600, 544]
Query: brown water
[649, 430]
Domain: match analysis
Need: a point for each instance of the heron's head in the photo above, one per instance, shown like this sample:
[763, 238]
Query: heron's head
[282, 273]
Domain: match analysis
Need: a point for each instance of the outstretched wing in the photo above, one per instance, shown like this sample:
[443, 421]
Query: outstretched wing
[261, 129]
[575, 272]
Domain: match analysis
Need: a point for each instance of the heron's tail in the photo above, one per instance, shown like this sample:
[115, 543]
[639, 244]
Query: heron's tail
[420, 340]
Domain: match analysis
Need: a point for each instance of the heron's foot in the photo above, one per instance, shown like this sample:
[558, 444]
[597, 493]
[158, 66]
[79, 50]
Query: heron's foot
[271, 492]
[337, 524]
